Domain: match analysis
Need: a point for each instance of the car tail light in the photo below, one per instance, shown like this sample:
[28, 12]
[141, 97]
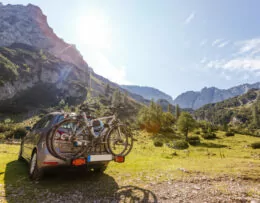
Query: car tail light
[119, 159]
[78, 162]
[50, 162]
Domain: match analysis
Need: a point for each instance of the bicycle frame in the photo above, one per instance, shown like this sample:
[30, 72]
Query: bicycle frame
[89, 124]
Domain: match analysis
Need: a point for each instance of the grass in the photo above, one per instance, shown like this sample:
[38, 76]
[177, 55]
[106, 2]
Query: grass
[225, 156]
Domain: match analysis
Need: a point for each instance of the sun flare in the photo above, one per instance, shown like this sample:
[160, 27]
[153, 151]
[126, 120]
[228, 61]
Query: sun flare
[93, 30]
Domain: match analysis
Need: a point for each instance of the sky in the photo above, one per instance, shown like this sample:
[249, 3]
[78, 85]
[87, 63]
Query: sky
[174, 46]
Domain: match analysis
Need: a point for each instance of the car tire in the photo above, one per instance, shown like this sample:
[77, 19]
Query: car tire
[35, 173]
[100, 169]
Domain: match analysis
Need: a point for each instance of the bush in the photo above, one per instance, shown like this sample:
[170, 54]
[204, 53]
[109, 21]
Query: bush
[158, 143]
[180, 144]
[209, 136]
[197, 132]
[3, 127]
[255, 145]
[19, 133]
[229, 134]
[194, 140]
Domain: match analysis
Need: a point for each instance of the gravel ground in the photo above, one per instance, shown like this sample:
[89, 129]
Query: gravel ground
[195, 190]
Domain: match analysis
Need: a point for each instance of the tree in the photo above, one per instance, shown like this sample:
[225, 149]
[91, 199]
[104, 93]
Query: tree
[116, 99]
[167, 120]
[125, 98]
[107, 89]
[177, 111]
[186, 123]
[169, 108]
[255, 116]
[150, 118]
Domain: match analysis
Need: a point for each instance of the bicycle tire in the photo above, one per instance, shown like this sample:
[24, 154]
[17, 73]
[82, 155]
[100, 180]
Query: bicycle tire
[55, 151]
[128, 143]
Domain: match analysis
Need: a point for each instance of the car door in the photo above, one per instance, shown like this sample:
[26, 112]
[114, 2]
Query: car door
[30, 140]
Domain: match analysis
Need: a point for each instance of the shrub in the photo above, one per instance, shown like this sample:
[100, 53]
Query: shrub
[255, 145]
[20, 132]
[197, 132]
[158, 143]
[180, 144]
[229, 134]
[209, 136]
[194, 140]
[3, 127]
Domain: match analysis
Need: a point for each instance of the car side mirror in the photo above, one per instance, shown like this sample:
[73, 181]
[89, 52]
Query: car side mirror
[28, 128]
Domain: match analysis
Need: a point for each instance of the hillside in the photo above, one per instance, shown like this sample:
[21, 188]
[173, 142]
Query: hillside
[148, 92]
[195, 100]
[237, 111]
[38, 69]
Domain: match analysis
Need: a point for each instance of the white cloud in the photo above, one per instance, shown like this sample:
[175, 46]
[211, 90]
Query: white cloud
[249, 64]
[251, 46]
[216, 42]
[223, 44]
[245, 59]
[243, 63]
[190, 18]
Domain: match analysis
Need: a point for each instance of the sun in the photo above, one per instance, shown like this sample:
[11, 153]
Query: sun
[93, 30]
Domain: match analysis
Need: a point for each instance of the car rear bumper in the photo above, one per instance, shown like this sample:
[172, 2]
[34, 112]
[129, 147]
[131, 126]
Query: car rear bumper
[46, 160]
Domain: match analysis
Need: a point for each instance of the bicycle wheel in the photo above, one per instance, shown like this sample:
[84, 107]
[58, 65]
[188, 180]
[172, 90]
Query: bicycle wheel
[119, 141]
[68, 140]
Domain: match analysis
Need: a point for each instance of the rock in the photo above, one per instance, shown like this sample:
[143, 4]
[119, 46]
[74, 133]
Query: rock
[196, 100]
[28, 25]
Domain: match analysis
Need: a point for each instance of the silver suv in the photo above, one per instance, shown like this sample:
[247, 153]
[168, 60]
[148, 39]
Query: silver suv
[34, 150]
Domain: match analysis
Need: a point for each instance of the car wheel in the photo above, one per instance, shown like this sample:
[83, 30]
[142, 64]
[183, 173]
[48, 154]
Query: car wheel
[100, 169]
[35, 173]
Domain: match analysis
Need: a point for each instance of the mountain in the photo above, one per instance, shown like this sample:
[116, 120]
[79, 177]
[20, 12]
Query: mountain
[148, 92]
[239, 111]
[195, 100]
[39, 69]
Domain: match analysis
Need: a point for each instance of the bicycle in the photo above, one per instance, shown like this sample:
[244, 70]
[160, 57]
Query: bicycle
[80, 133]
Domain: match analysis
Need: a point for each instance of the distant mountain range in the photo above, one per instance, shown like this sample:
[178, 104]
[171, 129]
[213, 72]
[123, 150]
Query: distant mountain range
[236, 111]
[148, 92]
[193, 99]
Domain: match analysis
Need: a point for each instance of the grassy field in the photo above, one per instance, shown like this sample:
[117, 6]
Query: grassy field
[230, 157]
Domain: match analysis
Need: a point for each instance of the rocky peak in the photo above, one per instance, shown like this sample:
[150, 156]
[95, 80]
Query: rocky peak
[209, 95]
[28, 25]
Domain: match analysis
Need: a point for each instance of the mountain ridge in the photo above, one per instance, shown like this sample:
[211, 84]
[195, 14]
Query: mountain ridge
[197, 99]
[148, 92]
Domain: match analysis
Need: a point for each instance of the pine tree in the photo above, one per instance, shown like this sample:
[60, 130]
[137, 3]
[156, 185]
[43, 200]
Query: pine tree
[255, 116]
[186, 123]
[107, 89]
[177, 111]
[116, 99]
[169, 108]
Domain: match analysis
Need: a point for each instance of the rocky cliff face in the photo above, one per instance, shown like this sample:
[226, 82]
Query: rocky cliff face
[28, 25]
[195, 100]
[37, 68]
[33, 78]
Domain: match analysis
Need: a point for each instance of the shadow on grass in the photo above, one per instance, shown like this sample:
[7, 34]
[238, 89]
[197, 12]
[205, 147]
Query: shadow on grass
[68, 185]
[210, 145]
